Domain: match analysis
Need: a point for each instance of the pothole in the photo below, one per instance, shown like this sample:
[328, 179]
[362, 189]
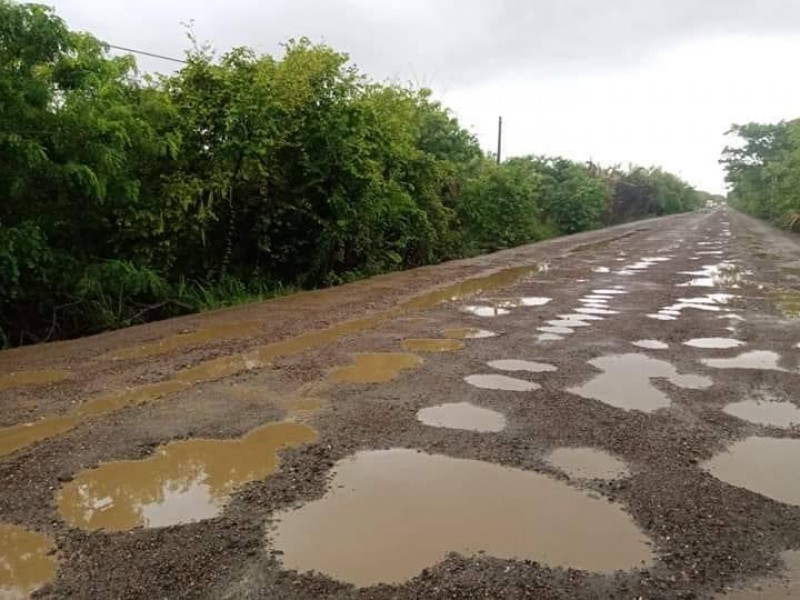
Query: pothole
[651, 345]
[765, 360]
[587, 463]
[626, 382]
[26, 561]
[462, 415]
[501, 382]
[522, 365]
[393, 513]
[714, 343]
[766, 466]
[182, 482]
[426, 346]
[469, 333]
[766, 412]
[375, 367]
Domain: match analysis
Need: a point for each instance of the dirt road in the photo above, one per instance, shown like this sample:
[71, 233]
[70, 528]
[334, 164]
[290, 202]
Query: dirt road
[610, 415]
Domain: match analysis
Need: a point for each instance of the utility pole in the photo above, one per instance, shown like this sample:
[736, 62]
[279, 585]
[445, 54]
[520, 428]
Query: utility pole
[499, 139]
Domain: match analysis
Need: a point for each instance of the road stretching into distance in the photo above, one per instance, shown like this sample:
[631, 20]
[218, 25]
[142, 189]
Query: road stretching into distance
[614, 414]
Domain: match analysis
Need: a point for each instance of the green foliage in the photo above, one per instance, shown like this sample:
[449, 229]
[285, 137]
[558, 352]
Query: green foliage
[763, 170]
[127, 199]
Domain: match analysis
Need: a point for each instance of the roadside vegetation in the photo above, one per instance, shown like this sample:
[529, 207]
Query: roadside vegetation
[127, 198]
[763, 170]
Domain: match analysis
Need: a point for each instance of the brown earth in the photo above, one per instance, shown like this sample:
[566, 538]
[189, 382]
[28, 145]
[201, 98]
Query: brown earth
[123, 395]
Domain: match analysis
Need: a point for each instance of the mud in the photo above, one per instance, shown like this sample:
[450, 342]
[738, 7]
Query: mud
[706, 535]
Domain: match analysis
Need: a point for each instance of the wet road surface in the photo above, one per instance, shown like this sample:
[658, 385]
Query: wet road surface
[609, 415]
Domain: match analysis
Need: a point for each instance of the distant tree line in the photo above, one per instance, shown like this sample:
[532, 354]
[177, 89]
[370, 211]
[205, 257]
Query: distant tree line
[128, 198]
[763, 171]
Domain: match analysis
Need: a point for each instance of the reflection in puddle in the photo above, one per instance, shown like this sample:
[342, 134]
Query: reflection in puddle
[521, 365]
[555, 330]
[775, 414]
[709, 302]
[469, 333]
[714, 343]
[596, 311]
[501, 382]
[758, 359]
[625, 382]
[766, 466]
[587, 463]
[601, 270]
[183, 482]
[42, 377]
[651, 345]
[376, 367]
[722, 275]
[26, 563]
[783, 586]
[428, 346]
[526, 301]
[486, 311]
[462, 415]
[395, 512]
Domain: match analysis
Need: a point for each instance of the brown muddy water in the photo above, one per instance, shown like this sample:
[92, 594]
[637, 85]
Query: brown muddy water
[26, 378]
[625, 382]
[182, 482]
[464, 416]
[26, 561]
[389, 514]
[587, 463]
[426, 346]
[375, 367]
[766, 466]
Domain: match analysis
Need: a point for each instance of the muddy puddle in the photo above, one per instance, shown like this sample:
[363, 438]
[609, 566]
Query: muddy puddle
[587, 463]
[550, 337]
[714, 343]
[626, 382]
[393, 513]
[426, 346]
[651, 345]
[766, 412]
[182, 482]
[469, 333]
[783, 585]
[501, 382]
[766, 466]
[709, 303]
[788, 302]
[26, 561]
[521, 365]
[721, 275]
[462, 415]
[375, 367]
[486, 312]
[764, 360]
[523, 302]
[26, 378]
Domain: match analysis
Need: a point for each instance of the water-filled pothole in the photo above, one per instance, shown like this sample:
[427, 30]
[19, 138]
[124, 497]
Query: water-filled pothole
[501, 382]
[183, 482]
[587, 463]
[25, 378]
[766, 466]
[651, 345]
[462, 415]
[396, 512]
[625, 382]
[522, 365]
[765, 360]
[469, 333]
[486, 311]
[433, 345]
[766, 412]
[376, 367]
[26, 561]
[714, 343]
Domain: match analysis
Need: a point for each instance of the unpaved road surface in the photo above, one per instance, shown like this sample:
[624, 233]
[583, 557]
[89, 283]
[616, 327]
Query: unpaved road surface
[609, 415]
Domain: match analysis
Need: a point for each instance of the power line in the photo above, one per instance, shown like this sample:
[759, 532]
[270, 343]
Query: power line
[150, 54]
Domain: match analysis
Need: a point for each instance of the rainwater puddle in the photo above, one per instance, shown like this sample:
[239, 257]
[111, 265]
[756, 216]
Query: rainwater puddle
[501, 382]
[26, 563]
[376, 367]
[486, 311]
[625, 382]
[709, 303]
[596, 311]
[651, 345]
[550, 337]
[789, 304]
[775, 414]
[757, 359]
[462, 415]
[522, 365]
[714, 343]
[526, 301]
[429, 346]
[469, 333]
[182, 482]
[555, 330]
[766, 466]
[783, 586]
[395, 512]
[24, 378]
[613, 292]
[721, 275]
[587, 463]
[601, 270]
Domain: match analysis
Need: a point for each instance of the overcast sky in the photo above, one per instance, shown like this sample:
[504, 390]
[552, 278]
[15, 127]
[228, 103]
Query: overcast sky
[655, 82]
